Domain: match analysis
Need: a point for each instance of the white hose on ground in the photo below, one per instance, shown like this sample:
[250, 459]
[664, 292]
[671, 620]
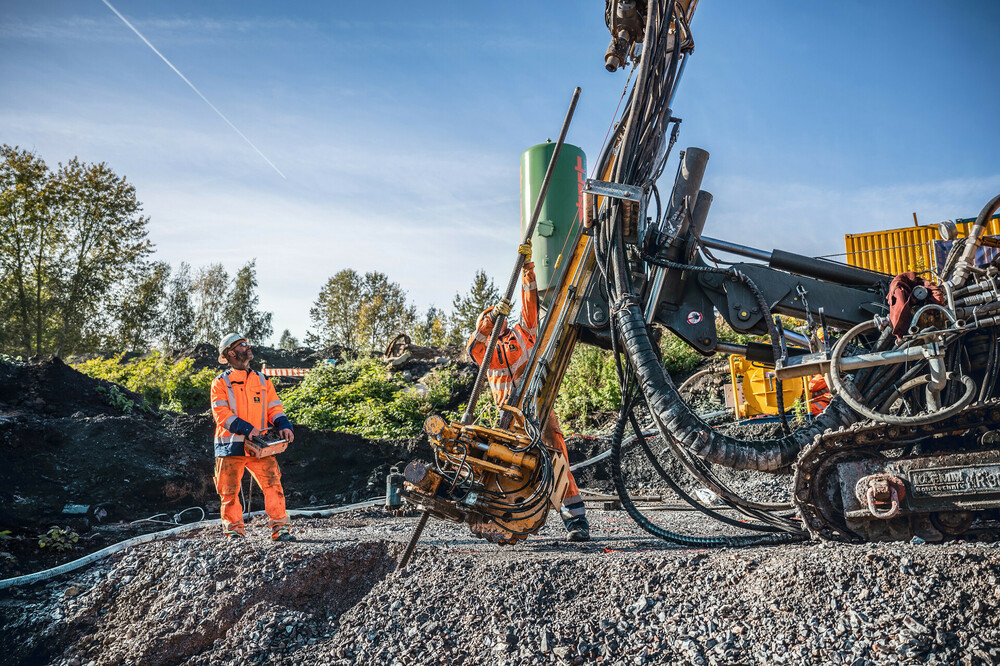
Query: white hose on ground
[156, 536]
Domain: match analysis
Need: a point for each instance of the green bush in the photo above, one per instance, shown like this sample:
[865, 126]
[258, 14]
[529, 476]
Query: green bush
[163, 383]
[362, 397]
[679, 358]
[589, 388]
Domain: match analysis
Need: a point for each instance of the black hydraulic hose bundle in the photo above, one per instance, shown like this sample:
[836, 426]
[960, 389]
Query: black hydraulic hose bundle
[668, 535]
[675, 419]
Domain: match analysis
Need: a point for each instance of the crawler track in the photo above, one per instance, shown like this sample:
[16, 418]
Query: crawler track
[818, 488]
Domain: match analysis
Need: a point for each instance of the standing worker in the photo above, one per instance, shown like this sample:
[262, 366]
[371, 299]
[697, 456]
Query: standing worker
[510, 356]
[244, 402]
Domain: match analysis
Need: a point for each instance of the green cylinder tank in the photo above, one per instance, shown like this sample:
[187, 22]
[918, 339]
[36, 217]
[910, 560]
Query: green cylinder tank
[559, 219]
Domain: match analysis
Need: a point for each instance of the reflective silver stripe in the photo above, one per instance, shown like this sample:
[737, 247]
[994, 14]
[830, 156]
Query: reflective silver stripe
[219, 403]
[229, 440]
[521, 341]
[273, 403]
[263, 407]
[229, 389]
[277, 416]
[229, 421]
[577, 510]
[498, 373]
[528, 287]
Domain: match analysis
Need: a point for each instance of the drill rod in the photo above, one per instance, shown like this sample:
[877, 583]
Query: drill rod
[500, 317]
[408, 553]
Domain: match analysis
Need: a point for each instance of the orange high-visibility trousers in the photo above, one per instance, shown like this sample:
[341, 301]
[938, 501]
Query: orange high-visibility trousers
[552, 435]
[229, 476]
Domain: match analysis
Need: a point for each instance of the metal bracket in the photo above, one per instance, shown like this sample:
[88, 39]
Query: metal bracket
[604, 188]
[633, 193]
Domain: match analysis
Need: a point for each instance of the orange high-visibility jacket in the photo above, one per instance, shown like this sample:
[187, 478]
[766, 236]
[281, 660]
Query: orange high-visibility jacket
[510, 356]
[241, 401]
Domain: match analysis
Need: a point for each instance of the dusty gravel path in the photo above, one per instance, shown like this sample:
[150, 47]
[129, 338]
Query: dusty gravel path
[334, 597]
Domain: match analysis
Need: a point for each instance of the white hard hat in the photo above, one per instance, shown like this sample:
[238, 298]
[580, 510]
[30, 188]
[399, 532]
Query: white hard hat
[227, 342]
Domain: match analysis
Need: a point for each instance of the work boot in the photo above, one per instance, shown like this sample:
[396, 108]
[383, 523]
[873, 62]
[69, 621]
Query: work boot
[234, 535]
[578, 529]
[282, 534]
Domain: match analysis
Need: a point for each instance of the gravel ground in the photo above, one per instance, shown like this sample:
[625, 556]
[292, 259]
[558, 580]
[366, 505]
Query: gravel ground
[334, 597]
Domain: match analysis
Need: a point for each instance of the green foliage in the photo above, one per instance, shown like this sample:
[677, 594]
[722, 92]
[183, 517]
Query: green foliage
[137, 308]
[241, 313]
[117, 399]
[589, 389]
[361, 313]
[288, 342]
[800, 411]
[58, 538]
[362, 397]
[678, 356]
[211, 288]
[432, 330]
[72, 239]
[177, 327]
[465, 310]
[163, 383]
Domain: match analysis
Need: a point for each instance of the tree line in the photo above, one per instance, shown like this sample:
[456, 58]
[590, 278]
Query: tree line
[363, 312]
[77, 275]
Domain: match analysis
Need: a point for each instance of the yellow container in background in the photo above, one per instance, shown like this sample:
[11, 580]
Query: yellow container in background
[755, 388]
[896, 251]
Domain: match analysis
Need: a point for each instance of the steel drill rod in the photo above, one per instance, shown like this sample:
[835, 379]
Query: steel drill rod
[499, 317]
[408, 553]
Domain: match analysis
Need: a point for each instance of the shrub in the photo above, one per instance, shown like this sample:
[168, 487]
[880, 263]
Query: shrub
[589, 388]
[163, 384]
[362, 397]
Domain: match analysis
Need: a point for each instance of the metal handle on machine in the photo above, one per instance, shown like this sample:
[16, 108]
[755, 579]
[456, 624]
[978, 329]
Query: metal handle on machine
[477, 387]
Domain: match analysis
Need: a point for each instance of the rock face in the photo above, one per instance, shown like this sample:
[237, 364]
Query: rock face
[334, 597]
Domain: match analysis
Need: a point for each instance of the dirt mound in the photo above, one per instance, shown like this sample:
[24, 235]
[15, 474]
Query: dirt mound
[88, 473]
[78, 457]
[51, 388]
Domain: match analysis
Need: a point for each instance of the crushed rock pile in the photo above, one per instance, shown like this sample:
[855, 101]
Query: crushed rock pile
[333, 597]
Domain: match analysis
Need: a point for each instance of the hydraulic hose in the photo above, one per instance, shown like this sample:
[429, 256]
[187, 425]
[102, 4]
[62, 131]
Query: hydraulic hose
[677, 421]
[668, 535]
[844, 393]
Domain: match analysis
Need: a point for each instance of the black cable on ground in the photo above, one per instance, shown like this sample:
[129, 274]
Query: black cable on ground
[680, 492]
[668, 535]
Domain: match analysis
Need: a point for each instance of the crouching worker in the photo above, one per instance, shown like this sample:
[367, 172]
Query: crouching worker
[244, 403]
[510, 357]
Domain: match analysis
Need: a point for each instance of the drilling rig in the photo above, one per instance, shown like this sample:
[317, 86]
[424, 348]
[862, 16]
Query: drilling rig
[908, 446]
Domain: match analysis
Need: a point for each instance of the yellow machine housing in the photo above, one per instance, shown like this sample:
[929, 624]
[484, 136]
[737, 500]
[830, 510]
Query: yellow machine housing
[754, 388]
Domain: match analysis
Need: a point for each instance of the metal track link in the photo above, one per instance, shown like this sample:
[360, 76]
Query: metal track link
[863, 439]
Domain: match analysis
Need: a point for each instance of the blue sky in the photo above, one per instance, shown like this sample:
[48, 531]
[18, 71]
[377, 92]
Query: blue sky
[399, 125]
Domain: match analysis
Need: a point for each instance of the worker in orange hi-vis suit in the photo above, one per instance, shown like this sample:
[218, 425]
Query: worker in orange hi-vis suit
[244, 403]
[510, 356]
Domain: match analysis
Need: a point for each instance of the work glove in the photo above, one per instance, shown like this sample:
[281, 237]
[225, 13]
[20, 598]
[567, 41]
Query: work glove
[525, 249]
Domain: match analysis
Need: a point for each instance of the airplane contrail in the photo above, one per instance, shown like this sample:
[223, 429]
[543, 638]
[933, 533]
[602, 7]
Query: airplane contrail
[171, 65]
